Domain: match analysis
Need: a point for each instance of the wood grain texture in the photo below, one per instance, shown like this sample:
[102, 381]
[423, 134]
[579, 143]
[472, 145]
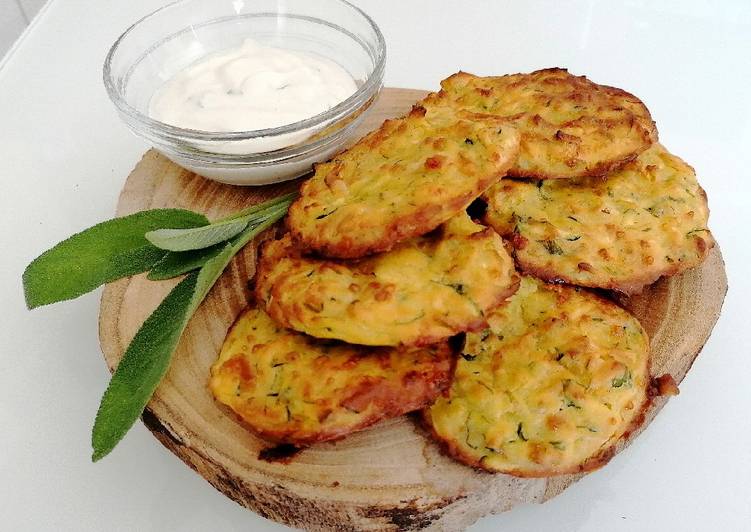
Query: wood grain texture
[388, 477]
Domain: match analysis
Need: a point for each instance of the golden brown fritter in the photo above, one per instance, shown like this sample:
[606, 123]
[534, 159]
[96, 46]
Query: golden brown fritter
[559, 377]
[290, 388]
[424, 290]
[400, 181]
[621, 232]
[570, 127]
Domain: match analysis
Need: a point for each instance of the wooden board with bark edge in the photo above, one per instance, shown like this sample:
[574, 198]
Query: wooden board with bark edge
[388, 477]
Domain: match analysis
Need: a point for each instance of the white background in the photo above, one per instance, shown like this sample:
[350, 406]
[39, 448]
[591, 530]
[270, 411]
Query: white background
[65, 155]
[15, 15]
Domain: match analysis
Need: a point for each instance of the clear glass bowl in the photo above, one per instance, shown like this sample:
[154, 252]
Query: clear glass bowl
[175, 36]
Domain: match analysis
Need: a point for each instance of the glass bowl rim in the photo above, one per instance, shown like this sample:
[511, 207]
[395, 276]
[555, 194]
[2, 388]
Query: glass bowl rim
[358, 98]
[281, 155]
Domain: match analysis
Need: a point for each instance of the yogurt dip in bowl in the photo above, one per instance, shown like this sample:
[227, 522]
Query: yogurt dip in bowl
[247, 92]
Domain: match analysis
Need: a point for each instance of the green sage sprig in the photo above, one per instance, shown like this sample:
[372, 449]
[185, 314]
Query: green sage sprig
[194, 238]
[101, 254]
[166, 243]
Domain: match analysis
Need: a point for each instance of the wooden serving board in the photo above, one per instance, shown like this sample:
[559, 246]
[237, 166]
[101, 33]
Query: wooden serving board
[388, 477]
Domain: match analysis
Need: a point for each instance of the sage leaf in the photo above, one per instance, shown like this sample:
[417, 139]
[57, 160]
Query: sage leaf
[209, 273]
[142, 367]
[147, 358]
[103, 253]
[196, 238]
[215, 265]
[269, 219]
[259, 208]
[219, 231]
[176, 263]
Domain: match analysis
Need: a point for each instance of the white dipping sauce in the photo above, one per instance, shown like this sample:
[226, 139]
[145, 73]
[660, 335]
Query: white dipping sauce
[252, 87]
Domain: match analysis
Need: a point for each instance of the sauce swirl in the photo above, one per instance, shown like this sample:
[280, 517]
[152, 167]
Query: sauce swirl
[249, 88]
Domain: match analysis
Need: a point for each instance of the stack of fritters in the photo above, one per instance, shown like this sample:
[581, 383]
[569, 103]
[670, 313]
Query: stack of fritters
[382, 266]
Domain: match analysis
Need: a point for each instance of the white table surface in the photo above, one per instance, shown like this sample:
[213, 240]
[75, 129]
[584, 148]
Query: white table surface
[65, 155]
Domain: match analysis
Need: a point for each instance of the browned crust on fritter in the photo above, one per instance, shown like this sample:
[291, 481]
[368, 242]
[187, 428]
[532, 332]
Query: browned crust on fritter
[274, 251]
[372, 390]
[663, 385]
[640, 119]
[633, 286]
[424, 218]
[395, 231]
[394, 401]
[593, 463]
[600, 169]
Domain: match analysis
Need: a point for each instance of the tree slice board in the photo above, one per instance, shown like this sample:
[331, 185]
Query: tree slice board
[390, 476]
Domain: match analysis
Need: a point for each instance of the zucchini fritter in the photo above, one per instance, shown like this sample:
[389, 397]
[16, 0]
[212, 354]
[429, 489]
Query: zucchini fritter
[424, 290]
[570, 127]
[290, 388]
[621, 232]
[400, 181]
[558, 378]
